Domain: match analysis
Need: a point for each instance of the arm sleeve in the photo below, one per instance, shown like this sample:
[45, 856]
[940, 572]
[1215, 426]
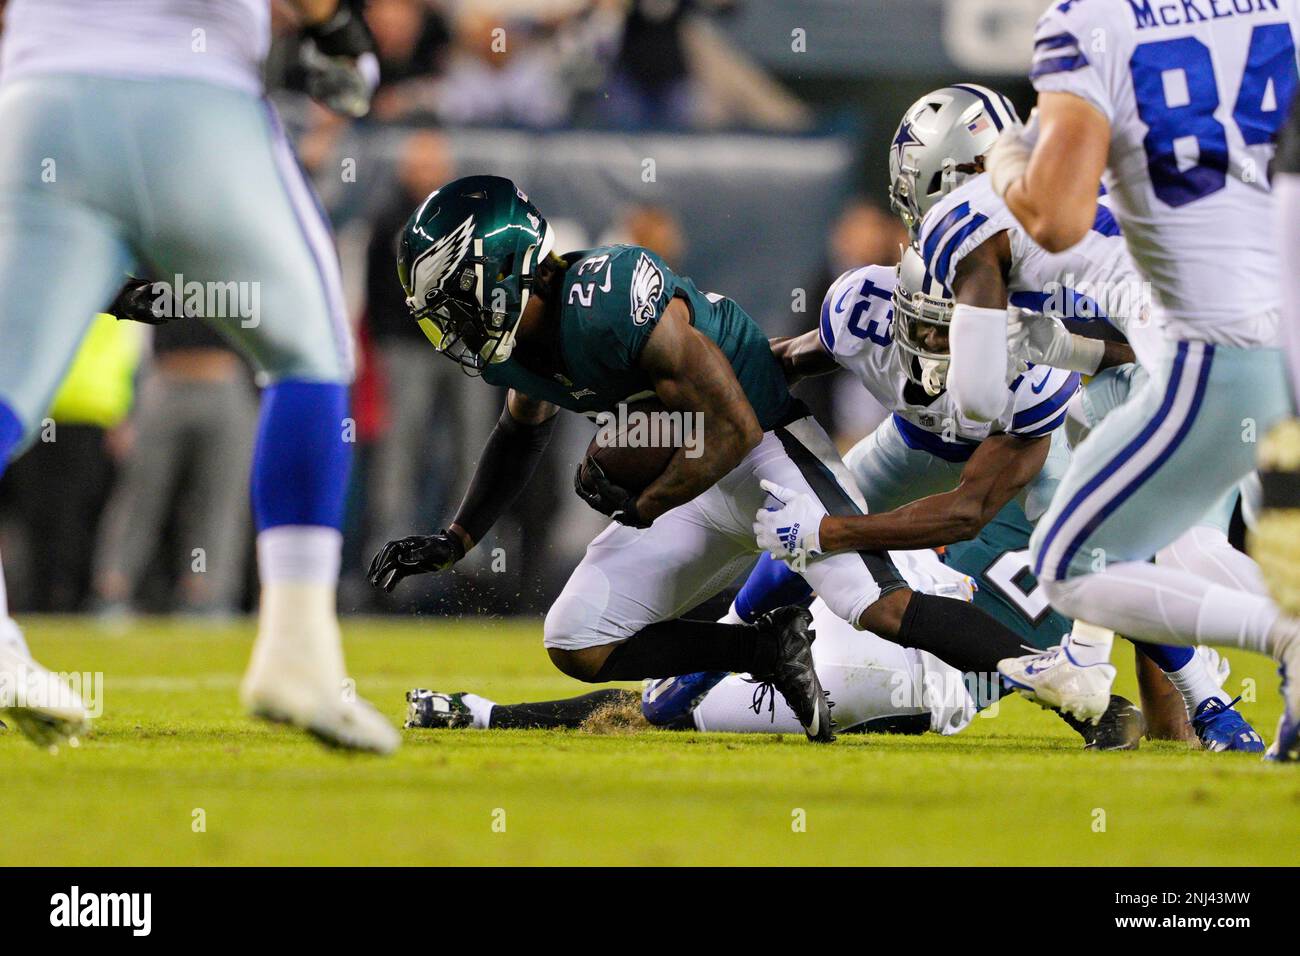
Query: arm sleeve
[507, 464]
[977, 373]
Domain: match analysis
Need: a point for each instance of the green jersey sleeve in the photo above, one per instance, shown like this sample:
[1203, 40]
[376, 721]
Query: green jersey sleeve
[616, 297]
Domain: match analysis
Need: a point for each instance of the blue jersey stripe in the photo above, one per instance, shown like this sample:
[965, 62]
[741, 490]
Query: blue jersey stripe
[1105, 222]
[959, 236]
[1047, 427]
[936, 236]
[1031, 416]
[918, 438]
[824, 330]
[1057, 41]
[1058, 64]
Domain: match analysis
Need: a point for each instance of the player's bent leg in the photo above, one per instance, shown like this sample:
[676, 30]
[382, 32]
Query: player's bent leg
[867, 589]
[618, 617]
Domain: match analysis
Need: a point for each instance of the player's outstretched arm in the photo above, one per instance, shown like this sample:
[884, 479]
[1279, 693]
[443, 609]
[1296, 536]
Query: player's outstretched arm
[802, 356]
[507, 464]
[691, 374]
[1052, 188]
[998, 470]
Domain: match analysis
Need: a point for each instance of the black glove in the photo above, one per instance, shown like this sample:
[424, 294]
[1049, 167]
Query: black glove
[418, 554]
[137, 302]
[595, 489]
[338, 59]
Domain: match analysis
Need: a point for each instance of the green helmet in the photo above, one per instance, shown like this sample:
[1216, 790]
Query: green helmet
[466, 259]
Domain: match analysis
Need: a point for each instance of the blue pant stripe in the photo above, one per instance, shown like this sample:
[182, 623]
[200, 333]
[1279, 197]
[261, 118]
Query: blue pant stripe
[1124, 455]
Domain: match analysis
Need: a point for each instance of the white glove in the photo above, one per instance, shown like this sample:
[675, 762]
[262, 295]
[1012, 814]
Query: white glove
[789, 533]
[1008, 159]
[1048, 342]
[1017, 345]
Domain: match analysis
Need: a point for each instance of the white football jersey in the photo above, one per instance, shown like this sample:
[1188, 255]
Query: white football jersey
[856, 327]
[1195, 92]
[1094, 280]
[217, 41]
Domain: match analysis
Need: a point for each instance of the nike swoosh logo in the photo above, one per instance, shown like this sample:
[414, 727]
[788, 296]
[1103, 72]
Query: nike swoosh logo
[816, 722]
[1036, 389]
[839, 306]
[606, 285]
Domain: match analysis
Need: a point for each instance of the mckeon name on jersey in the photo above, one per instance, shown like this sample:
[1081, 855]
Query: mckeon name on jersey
[1195, 93]
[855, 327]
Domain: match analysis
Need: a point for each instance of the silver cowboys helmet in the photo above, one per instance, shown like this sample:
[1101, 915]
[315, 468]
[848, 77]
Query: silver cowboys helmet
[921, 304]
[936, 145]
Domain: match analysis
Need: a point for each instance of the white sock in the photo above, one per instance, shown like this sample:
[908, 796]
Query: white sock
[1195, 682]
[300, 554]
[731, 617]
[1089, 644]
[480, 708]
[298, 639]
[11, 634]
[1164, 605]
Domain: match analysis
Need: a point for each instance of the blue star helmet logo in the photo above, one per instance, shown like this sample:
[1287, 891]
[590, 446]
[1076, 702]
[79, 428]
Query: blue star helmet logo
[904, 139]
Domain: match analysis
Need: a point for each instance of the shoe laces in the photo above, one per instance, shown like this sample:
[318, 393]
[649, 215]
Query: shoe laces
[764, 693]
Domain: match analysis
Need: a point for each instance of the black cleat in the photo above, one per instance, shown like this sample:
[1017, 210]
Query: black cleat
[792, 673]
[1120, 728]
[429, 708]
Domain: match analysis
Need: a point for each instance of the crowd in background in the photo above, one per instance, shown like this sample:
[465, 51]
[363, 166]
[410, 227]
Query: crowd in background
[135, 496]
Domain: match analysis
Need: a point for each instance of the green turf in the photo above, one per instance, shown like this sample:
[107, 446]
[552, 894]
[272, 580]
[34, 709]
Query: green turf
[1012, 790]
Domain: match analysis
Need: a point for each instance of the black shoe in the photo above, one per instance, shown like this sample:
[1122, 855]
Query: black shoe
[792, 674]
[428, 708]
[1120, 728]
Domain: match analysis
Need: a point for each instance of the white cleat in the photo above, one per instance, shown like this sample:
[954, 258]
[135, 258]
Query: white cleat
[1054, 679]
[37, 702]
[330, 717]
[297, 675]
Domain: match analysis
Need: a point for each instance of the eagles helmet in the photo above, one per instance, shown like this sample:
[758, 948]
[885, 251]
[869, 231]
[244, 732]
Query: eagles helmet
[467, 258]
[921, 304]
[937, 143]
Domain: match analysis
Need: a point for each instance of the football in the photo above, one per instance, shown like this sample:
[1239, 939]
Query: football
[631, 447]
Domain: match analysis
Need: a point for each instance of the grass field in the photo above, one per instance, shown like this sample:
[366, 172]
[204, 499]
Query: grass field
[172, 750]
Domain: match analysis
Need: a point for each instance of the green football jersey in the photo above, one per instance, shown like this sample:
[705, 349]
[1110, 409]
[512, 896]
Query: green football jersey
[998, 560]
[611, 299]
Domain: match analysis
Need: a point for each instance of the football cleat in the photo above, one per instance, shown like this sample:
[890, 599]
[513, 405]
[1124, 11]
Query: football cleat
[37, 702]
[1121, 727]
[793, 674]
[1220, 727]
[670, 701]
[1054, 679]
[437, 711]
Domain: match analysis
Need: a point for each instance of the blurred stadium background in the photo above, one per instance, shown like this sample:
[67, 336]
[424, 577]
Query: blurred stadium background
[743, 140]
